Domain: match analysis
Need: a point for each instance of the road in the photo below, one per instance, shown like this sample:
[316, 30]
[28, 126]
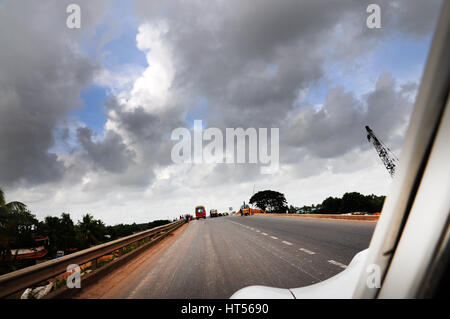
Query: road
[213, 258]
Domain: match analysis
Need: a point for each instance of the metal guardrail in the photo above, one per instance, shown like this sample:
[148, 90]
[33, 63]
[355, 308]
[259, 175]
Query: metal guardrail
[27, 277]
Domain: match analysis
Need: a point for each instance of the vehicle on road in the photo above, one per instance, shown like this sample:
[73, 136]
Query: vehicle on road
[213, 213]
[200, 212]
[245, 210]
[358, 213]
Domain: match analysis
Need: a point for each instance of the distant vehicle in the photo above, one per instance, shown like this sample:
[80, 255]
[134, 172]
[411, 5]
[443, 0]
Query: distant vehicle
[220, 214]
[200, 212]
[245, 210]
[213, 213]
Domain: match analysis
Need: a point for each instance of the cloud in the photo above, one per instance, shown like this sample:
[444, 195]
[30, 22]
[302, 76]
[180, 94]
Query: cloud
[110, 154]
[42, 73]
[249, 59]
[338, 126]
[413, 17]
[251, 63]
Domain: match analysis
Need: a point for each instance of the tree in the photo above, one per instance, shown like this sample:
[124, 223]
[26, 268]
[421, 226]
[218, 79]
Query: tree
[50, 227]
[6, 208]
[292, 209]
[350, 202]
[60, 231]
[331, 205]
[16, 226]
[270, 201]
[353, 202]
[374, 203]
[68, 232]
[91, 231]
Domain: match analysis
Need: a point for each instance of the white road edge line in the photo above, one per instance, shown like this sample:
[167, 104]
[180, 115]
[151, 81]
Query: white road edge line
[337, 263]
[287, 243]
[307, 251]
[273, 237]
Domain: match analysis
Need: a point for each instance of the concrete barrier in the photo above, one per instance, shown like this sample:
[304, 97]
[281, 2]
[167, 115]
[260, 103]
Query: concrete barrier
[327, 216]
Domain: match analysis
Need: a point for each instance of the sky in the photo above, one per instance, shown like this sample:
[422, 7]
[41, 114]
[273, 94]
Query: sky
[86, 115]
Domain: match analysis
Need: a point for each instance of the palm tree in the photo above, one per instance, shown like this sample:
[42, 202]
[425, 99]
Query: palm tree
[8, 212]
[18, 207]
[91, 231]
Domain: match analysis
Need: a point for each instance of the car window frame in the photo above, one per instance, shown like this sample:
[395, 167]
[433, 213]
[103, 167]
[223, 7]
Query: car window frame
[421, 136]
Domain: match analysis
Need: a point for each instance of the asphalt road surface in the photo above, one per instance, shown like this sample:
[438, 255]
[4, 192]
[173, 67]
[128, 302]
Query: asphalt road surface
[213, 258]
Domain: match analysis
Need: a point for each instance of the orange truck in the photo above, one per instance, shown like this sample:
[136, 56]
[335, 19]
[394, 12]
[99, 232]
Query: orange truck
[247, 210]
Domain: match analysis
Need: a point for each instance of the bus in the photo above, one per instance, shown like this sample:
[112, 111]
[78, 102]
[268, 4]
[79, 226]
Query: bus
[200, 212]
[213, 213]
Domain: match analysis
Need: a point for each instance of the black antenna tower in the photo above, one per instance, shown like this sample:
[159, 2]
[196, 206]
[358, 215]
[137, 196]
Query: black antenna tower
[388, 158]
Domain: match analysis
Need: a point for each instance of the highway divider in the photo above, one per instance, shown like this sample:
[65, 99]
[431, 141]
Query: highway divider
[93, 261]
[327, 216]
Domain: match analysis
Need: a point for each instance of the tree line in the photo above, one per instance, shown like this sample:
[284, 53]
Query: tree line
[19, 228]
[275, 202]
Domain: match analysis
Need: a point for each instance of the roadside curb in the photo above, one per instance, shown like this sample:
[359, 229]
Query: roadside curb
[326, 216]
[91, 278]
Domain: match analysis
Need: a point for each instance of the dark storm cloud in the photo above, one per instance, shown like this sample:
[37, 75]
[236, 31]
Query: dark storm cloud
[41, 76]
[140, 143]
[250, 58]
[138, 122]
[110, 154]
[247, 58]
[338, 127]
[416, 17]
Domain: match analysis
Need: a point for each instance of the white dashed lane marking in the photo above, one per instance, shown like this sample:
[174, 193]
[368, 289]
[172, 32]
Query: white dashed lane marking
[333, 262]
[307, 251]
[289, 244]
[337, 263]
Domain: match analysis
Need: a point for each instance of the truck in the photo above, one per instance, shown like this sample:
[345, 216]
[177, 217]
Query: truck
[247, 210]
